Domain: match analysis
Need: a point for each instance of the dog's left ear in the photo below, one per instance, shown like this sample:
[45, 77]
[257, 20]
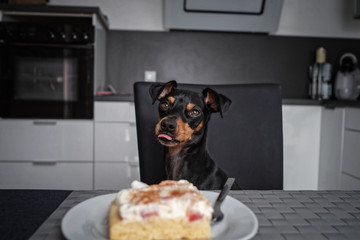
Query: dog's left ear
[160, 90]
[216, 102]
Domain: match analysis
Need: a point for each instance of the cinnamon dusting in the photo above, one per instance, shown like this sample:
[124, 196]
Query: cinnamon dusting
[165, 190]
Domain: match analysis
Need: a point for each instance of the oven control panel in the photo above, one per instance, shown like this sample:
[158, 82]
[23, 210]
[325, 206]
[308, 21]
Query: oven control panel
[46, 33]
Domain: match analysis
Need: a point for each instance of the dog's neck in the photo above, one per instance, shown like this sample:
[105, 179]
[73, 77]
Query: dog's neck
[177, 158]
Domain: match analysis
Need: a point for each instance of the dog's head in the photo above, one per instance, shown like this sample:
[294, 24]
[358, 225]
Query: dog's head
[183, 114]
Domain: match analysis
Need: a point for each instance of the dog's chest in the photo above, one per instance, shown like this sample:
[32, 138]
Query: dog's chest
[182, 167]
[174, 165]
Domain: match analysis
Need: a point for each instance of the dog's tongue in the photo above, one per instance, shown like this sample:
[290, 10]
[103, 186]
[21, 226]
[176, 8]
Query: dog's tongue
[167, 137]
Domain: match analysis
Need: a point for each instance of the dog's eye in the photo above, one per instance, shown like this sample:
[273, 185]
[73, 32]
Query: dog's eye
[164, 106]
[194, 113]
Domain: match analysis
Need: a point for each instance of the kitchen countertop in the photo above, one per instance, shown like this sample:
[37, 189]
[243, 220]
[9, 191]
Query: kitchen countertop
[115, 98]
[333, 103]
[286, 101]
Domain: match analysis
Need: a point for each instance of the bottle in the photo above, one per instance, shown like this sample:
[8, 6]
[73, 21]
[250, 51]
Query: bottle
[320, 86]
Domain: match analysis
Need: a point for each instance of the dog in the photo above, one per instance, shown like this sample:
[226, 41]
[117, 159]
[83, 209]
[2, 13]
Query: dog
[182, 129]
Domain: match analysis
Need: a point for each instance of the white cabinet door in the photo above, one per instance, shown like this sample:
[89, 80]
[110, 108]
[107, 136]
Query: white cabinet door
[331, 142]
[301, 135]
[350, 178]
[108, 111]
[46, 140]
[115, 142]
[115, 176]
[349, 182]
[115, 132]
[116, 152]
[57, 175]
[351, 156]
[352, 119]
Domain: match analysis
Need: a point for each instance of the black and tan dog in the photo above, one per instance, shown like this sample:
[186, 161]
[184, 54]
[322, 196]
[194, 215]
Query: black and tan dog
[182, 129]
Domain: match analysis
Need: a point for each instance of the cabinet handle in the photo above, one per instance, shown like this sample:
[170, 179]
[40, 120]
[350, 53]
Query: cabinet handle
[47, 163]
[133, 164]
[44, 122]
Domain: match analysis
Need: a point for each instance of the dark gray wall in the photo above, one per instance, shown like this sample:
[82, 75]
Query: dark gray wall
[217, 58]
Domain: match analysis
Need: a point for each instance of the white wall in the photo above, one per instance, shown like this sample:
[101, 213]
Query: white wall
[315, 18]
[126, 14]
[319, 18]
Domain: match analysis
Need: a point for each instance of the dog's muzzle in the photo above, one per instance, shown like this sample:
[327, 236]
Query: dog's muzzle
[168, 125]
[167, 131]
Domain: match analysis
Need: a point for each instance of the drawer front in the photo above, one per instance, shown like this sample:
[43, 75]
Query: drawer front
[115, 111]
[115, 176]
[349, 183]
[352, 118]
[351, 155]
[27, 175]
[46, 140]
[115, 142]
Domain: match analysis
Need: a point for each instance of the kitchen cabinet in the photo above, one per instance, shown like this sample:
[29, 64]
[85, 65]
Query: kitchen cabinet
[350, 172]
[340, 149]
[46, 140]
[349, 182]
[331, 143]
[46, 175]
[71, 154]
[115, 146]
[321, 148]
[115, 141]
[301, 136]
[115, 175]
[52, 154]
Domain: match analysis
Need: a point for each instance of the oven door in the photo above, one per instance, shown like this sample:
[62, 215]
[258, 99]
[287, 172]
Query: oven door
[46, 81]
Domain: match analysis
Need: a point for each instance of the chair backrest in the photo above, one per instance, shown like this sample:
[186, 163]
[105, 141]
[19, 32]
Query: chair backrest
[247, 143]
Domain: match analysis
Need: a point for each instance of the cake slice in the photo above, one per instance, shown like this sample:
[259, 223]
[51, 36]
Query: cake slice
[169, 210]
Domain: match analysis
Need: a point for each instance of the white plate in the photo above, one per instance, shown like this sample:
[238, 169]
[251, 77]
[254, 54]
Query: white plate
[88, 219]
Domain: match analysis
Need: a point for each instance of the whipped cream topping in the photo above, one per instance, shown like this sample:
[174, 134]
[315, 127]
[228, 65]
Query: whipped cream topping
[169, 199]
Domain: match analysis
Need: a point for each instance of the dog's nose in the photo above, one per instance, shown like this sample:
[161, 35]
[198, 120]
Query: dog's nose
[168, 125]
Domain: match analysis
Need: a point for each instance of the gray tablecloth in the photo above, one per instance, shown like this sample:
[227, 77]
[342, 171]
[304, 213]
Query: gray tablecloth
[281, 214]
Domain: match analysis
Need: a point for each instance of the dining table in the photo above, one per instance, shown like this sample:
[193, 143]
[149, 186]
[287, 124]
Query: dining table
[38, 214]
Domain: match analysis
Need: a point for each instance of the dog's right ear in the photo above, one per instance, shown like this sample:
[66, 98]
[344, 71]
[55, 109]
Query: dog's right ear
[160, 90]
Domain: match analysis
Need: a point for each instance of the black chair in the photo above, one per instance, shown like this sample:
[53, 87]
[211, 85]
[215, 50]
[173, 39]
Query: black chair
[247, 142]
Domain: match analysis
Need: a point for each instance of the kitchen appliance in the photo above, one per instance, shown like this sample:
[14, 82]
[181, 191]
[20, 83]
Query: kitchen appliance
[227, 15]
[320, 74]
[46, 70]
[347, 81]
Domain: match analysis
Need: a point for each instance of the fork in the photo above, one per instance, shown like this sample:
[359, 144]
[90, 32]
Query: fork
[218, 215]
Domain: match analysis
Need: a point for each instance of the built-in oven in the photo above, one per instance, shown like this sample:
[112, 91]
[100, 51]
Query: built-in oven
[46, 70]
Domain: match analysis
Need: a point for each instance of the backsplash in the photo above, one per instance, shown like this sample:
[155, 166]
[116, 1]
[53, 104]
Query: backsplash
[219, 58]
